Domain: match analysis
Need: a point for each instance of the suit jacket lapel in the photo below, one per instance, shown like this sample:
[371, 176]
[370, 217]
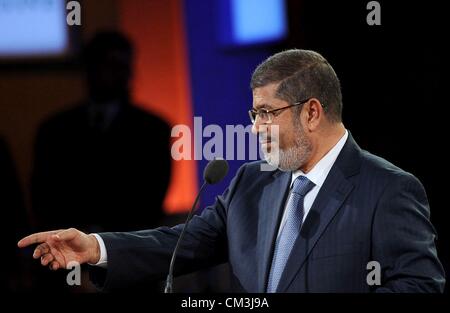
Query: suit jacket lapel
[329, 200]
[270, 212]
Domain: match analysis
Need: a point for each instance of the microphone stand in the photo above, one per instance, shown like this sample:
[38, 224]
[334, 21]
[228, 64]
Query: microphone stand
[169, 280]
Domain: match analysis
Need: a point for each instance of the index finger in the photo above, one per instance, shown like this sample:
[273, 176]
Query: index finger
[36, 238]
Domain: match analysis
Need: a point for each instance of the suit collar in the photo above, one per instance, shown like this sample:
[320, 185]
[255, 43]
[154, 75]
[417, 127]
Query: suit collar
[349, 160]
[320, 171]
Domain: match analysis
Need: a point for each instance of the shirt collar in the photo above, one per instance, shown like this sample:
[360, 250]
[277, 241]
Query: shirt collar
[320, 171]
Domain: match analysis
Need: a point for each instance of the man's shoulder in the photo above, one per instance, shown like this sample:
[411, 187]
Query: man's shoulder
[378, 168]
[64, 118]
[254, 165]
[257, 171]
[259, 166]
[144, 118]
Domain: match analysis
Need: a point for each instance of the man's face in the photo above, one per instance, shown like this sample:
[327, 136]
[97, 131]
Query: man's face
[290, 149]
[109, 78]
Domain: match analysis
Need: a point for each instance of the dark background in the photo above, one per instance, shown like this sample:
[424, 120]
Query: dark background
[394, 83]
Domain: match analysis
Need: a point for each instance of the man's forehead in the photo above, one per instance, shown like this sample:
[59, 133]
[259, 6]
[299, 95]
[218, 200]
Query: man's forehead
[264, 94]
[268, 90]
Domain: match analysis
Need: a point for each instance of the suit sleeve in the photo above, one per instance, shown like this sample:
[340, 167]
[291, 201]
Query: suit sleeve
[135, 258]
[404, 239]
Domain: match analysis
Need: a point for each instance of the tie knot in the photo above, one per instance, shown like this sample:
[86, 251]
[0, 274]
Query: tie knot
[302, 185]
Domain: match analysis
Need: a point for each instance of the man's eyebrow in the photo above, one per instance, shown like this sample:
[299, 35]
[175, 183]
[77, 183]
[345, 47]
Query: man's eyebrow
[263, 106]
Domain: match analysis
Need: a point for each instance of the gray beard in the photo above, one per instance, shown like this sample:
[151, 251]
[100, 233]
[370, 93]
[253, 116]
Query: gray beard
[292, 158]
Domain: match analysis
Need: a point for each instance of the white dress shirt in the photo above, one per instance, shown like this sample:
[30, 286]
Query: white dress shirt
[317, 175]
[103, 261]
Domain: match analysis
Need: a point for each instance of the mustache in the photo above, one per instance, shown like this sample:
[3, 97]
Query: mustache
[265, 138]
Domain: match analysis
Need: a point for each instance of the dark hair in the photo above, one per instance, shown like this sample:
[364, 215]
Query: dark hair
[103, 42]
[302, 74]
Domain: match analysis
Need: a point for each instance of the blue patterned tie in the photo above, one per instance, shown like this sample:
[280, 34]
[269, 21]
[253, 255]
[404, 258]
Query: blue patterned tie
[290, 231]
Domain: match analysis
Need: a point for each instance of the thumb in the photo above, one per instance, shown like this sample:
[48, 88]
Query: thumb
[66, 235]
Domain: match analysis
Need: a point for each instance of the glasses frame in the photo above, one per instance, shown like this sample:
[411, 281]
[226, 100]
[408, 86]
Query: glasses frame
[253, 114]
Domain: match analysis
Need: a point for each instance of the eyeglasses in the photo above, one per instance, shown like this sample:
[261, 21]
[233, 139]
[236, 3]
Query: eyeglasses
[267, 116]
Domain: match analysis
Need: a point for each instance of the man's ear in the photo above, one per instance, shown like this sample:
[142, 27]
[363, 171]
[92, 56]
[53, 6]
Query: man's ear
[314, 113]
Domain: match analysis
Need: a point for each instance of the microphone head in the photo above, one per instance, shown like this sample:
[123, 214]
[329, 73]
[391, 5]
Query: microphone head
[215, 171]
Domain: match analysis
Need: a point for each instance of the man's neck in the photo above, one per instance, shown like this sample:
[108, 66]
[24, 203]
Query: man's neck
[323, 145]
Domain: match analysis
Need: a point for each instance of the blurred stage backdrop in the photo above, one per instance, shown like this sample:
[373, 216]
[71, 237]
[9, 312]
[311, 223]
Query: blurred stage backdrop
[195, 58]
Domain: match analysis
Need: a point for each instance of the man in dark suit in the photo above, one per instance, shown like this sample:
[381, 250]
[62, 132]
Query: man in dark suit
[315, 224]
[105, 156]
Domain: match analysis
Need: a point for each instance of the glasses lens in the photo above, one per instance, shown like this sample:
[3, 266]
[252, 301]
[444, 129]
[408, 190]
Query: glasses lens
[265, 116]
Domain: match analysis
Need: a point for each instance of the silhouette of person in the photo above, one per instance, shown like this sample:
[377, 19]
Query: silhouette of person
[104, 164]
[14, 220]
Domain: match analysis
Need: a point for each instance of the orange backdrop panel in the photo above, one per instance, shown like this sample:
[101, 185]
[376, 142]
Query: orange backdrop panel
[161, 81]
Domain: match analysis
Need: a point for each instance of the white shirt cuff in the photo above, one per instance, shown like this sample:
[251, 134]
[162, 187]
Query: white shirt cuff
[103, 261]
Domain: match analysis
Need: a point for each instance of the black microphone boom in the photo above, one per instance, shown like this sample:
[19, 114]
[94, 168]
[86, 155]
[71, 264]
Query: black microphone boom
[214, 172]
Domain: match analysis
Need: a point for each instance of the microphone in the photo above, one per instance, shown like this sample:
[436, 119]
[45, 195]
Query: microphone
[214, 172]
